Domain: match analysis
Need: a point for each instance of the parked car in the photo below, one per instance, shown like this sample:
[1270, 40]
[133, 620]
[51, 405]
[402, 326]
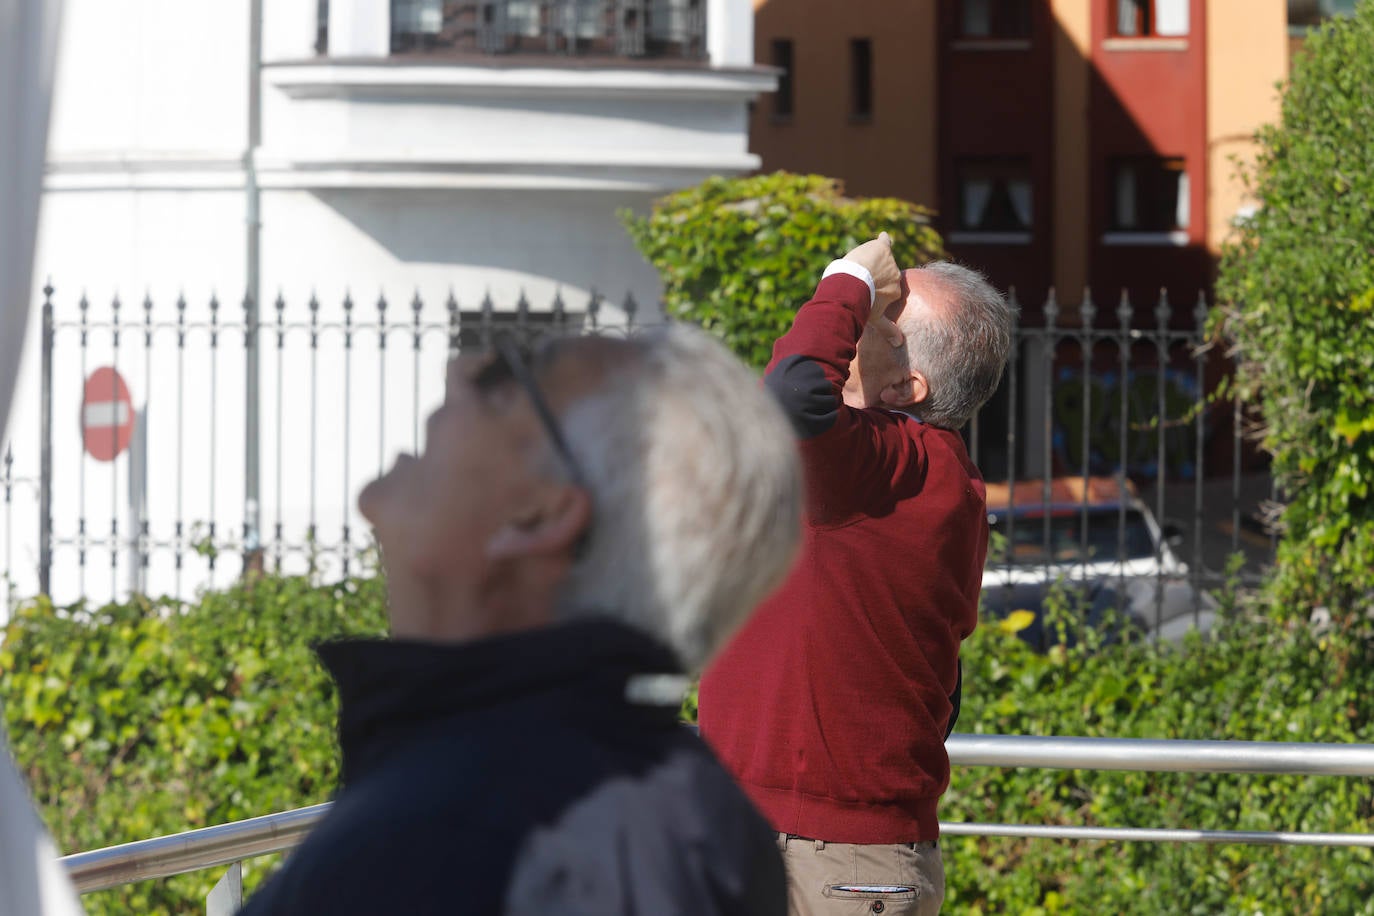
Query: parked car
[1096, 536]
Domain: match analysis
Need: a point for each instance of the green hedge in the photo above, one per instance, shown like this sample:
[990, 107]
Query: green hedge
[739, 256]
[1296, 307]
[139, 720]
[1253, 680]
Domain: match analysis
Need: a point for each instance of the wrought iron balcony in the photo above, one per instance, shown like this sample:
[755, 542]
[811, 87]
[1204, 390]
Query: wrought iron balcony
[627, 29]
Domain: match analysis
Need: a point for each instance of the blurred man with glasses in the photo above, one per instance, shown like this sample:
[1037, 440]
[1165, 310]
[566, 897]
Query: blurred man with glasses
[582, 527]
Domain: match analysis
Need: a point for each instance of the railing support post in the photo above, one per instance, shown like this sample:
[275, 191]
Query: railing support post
[226, 897]
[45, 460]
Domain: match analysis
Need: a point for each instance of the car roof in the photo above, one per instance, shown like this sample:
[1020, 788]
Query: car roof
[1065, 493]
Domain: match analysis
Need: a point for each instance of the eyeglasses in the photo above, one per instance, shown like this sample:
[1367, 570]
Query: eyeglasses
[509, 363]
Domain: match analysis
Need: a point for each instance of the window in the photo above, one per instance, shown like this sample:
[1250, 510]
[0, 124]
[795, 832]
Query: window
[1068, 536]
[995, 196]
[1149, 18]
[1305, 14]
[1149, 195]
[994, 19]
[861, 78]
[782, 59]
[625, 29]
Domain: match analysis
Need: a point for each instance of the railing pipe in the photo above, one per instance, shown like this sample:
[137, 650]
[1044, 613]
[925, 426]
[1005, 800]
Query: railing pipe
[210, 846]
[161, 857]
[1159, 835]
[1161, 756]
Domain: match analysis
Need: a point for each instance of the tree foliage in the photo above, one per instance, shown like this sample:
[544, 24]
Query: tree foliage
[738, 256]
[145, 719]
[1297, 304]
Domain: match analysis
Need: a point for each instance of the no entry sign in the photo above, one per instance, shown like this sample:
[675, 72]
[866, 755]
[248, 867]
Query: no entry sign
[107, 415]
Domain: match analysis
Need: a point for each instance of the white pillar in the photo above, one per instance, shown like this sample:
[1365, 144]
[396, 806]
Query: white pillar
[359, 28]
[730, 33]
[288, 30]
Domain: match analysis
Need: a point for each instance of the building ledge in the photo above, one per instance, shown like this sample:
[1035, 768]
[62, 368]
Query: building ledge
[562, 77]
[1176, 239]
[656, 171]
[988, 238]
[991, 44]
[1145, 44]
[571, 169]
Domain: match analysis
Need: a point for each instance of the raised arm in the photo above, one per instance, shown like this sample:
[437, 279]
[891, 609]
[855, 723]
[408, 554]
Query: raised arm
[855, 458]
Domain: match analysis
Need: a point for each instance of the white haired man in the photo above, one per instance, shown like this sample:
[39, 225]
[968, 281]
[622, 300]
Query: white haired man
[832, 705]
[581, 528]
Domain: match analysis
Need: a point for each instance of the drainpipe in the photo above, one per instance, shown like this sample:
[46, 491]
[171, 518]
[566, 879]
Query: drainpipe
[252, 507]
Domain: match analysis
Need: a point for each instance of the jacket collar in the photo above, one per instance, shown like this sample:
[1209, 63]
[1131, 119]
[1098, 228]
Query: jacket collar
[390, 690]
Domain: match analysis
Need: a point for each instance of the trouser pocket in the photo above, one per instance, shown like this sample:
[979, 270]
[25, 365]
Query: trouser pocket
[889, 899]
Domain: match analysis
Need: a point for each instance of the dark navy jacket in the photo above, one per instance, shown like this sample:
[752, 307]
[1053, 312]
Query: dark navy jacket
[511, 775]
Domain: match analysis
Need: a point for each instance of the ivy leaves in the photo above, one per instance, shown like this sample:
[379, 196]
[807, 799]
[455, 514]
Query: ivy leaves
[739, 256]
[149, 718]
[1296, 292]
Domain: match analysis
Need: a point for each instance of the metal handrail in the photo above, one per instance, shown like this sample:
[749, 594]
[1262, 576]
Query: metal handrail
[162, 857]
[1161, 755]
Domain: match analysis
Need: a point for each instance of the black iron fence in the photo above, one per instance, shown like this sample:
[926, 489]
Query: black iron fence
[660, 29]
[146, 488]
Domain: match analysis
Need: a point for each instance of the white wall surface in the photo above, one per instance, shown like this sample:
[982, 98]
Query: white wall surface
[158, 76]
[377, 180]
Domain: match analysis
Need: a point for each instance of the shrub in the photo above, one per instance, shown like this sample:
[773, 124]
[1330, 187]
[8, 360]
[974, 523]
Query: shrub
[739, 256]
[143, 719]
[1297, 304]
[1253, 679]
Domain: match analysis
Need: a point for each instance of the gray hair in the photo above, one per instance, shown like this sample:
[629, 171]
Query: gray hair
[962, 347]
[696, 491]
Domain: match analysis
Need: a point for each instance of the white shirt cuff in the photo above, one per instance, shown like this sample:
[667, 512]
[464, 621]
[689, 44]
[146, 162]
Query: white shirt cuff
[854, 270]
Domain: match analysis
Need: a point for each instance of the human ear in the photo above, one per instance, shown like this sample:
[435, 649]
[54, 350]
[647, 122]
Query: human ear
[551, 525]
[904, 393]
[920, 388]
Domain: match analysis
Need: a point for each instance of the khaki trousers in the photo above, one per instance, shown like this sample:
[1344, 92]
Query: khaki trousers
[842, 879]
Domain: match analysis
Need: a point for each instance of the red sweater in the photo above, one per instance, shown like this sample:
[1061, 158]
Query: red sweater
[831, 705]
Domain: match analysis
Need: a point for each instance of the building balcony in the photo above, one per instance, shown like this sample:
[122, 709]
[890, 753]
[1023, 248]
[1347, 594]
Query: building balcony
[641, 96]
[630, 30]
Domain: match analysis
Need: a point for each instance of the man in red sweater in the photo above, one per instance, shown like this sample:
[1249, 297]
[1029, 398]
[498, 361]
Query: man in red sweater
[832, 704]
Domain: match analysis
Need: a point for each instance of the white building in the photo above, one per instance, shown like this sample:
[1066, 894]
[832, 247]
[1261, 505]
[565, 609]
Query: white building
[325, 147]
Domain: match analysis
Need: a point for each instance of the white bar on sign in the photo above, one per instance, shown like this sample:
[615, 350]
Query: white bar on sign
[105, 413]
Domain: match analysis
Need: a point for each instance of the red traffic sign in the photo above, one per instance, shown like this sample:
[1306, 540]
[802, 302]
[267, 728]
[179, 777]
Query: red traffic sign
[107, 415]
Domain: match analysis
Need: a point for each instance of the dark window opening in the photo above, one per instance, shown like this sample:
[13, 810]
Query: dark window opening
[1149, 195]
[1149, 18]
[861, 78]
[1103, 537]
[995, 19]
[782, 59]
[605, 28]
[995, 195]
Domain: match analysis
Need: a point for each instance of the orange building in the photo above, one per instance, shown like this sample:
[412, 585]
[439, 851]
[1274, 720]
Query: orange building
[1074, 144]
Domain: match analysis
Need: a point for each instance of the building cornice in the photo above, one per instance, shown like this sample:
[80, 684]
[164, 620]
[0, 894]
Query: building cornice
[388, 79]
[653, 171]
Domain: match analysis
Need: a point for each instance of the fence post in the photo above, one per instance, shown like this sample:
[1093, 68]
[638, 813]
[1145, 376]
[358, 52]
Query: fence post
[45, 460]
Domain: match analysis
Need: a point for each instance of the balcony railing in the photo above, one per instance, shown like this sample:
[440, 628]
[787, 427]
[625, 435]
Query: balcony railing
[650, 29]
